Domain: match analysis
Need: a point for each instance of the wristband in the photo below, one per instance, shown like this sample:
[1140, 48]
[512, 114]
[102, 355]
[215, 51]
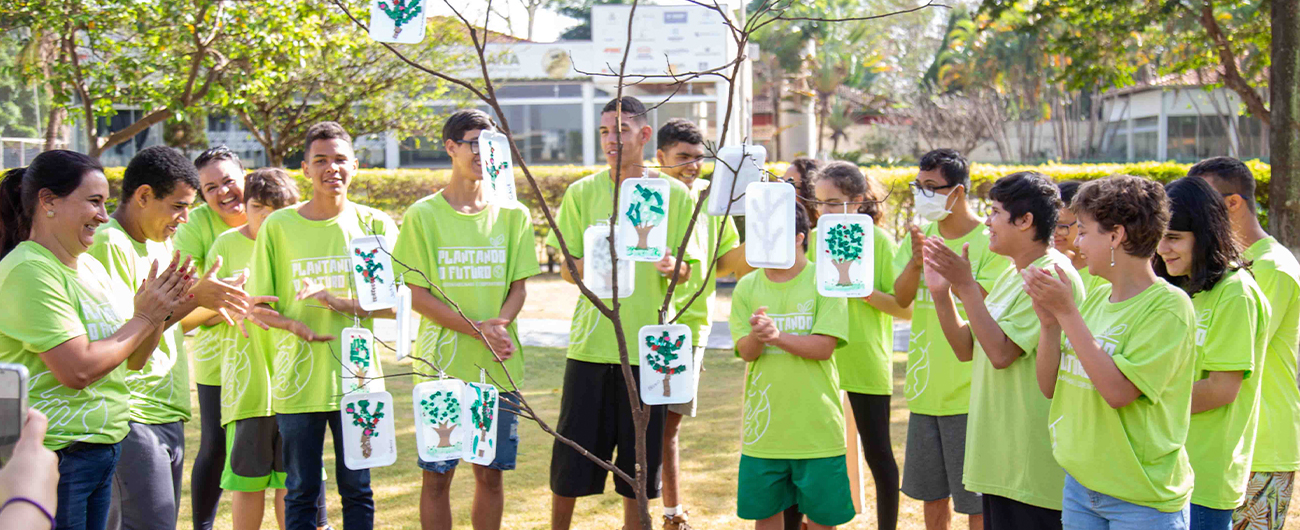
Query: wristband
[32, 502]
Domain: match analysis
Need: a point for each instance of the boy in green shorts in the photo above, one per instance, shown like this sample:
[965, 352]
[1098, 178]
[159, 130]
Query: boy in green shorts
[793, 448]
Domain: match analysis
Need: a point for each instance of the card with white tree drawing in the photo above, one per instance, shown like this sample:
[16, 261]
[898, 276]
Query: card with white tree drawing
[845, 261]
[667, 362]
[769, 225]
[479, 419]
[747, 161]
[406, 323]
[498, 167]
[372, 272]
[439, 425]
[369, 437]
[597, 269]
[361, 371]
[643, 219]
[399, 21]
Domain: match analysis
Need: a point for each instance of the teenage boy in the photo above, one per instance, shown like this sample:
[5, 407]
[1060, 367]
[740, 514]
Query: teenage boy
[443, 237]
[301, 256]
[1008, 452]
[157, 189]
[1277, 444]
[793, 448]
[937, 385]
[594, 407]
[680, 155]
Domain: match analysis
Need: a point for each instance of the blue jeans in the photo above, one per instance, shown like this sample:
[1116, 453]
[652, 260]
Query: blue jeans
[303, 436]
[85, 485]
[1085, 509]
[1210, 519]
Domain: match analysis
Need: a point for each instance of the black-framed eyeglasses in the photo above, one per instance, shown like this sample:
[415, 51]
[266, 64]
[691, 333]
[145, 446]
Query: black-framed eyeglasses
[473, 145]
[1064, 228]
[928, 192]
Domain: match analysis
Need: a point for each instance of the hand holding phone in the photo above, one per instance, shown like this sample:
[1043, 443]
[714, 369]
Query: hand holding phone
[34, 471]
[13, 407]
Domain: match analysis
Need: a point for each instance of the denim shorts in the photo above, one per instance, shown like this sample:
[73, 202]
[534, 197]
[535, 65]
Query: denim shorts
[1089, 510]
[507, 439]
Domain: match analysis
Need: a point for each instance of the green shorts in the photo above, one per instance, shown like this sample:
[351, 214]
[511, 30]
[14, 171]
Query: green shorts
[820, 486]
[257, 460]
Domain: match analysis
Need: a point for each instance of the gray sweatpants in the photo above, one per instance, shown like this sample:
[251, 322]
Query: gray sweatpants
[147, 485]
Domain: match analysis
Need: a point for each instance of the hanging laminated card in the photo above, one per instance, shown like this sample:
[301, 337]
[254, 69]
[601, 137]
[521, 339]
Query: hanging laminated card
[479, 418]
[643, 219]
[372, 272]
[747, 161]
[498, 171]
[369, 439]
[406, 324]
[397, 21]
[597, 270]
[769, 225]
[360, 363]
[845, 244]
[669, 353]
[439, 428]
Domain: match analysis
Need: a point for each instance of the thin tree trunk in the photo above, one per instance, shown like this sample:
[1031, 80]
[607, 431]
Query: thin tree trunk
[1284, 138]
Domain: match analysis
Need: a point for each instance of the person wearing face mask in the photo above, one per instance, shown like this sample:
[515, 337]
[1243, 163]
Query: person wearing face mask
[1067, 229]
[937, 385]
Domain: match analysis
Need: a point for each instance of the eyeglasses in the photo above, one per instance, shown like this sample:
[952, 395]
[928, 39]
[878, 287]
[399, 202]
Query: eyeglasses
[928, 192]
[473, 145]
[1064, 228]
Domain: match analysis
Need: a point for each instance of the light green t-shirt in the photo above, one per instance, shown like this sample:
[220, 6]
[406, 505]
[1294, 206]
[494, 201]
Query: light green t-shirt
[1008, 451]
[699, 316]
[587, 202]
[1134, 453]
[194, 239]
[866, 364]
[792, 404]
[245, 372]
[1090, 282]
[1231, 335]
[307, 377]
[473, 258]
[1277, 444]
[937, 384]
[58, 305]
[160, 393]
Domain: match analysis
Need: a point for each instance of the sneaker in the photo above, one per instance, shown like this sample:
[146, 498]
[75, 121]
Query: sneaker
[676, 522]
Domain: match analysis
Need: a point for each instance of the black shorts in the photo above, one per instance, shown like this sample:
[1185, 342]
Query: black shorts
[1002, 513]
[255, 448]
[594, 412]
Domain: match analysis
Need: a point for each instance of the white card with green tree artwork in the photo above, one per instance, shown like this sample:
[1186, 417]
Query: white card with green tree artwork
[498, 167]
[405, 326]
[439, 425]
[845, 261]
[643, 219]
[667, 359]
[480, 420]
[597, 269]
[369, 437]
[360, 361]
[769, 225]
[397, 21]
[747, 161]
[372, 272]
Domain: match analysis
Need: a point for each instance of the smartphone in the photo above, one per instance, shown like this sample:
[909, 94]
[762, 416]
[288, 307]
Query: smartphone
[13, 407]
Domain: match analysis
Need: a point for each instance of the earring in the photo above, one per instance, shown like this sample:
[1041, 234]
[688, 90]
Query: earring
[1112, 256]
[49, 213]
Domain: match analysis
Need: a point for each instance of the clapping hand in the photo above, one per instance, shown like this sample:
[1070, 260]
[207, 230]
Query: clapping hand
[1050, 294]
[955, 270]
[762, 327]
[160, 294]
[918, 246]
[665, 267]
[220, 296]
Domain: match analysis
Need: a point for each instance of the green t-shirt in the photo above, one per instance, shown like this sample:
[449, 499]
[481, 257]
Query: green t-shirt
[473, 258]
[1008, 451]
[194, 239]
[58, 305]
[705, 236]
[1277, 444]
[792, 404]
[1231, 335]
[1090, 282]
[937, 384]
[587, 202]
[245, 371]
[307, 377]
[160, 393]
[1134, 453]
[866, 363]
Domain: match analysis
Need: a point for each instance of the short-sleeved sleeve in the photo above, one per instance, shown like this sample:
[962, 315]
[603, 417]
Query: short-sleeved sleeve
[117, 261]
[189, 241]
[1279, 289]
[569, 222]
[831, 318]
[412, 247]
[885, 256]
[1146, 357]
[1020, 323]
[47, 317]
[261, 268]
[524, 250]
[991, 266]
[741, 310]
[902, 255]
[682, 208]
[730, 236]
[1231, 335]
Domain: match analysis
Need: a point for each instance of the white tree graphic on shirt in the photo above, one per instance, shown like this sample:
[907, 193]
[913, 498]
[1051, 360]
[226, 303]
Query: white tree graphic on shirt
[758, 409]
[236, 371]
[292, 366]
[918, 370]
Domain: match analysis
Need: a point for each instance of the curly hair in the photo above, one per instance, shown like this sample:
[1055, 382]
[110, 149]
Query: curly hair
[1033, 193]
[676, 131]
[161, 168]
[272, 187]
[806, 167]
[325, 130]
[1137, 204]
[852, 182]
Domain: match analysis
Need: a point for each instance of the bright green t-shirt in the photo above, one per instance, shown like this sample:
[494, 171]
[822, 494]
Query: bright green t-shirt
[937, 384]
[1090, 282]
[699, 316]
[586, 203]
[1277, 444]
[160, 393]
[194, 239]
[1134, 453]
[1008, 451]
[473, 258]
[1231, 335]
[245, 372]
[58, 305]
[792, 404]
[307, 377]
[866, 364]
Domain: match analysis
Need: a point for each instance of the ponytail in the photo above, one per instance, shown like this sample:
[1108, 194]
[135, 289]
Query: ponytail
[58, 171]
[13, 224]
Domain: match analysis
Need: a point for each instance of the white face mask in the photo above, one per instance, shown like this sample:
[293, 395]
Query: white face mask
[932, 209]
